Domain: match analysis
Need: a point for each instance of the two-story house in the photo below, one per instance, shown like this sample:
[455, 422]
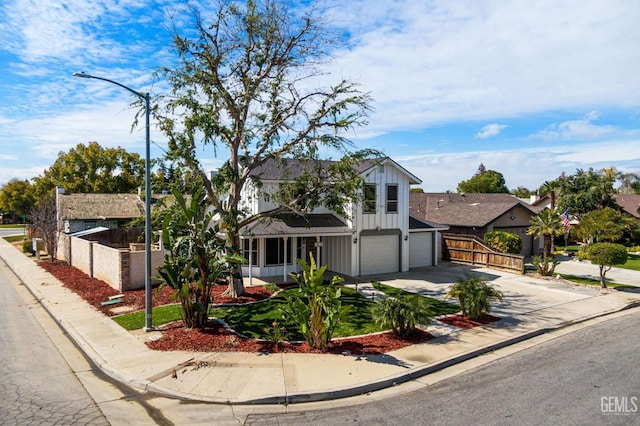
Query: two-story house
[376, 237]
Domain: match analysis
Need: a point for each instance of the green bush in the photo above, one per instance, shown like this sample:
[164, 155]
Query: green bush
[475, 296]
[634, 249]
[605, 255]
[545, 266]
[401, 314]
[504, 242]
[27, 246]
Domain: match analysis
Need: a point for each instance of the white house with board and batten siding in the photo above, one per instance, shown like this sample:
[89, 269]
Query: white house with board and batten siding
[377, 237]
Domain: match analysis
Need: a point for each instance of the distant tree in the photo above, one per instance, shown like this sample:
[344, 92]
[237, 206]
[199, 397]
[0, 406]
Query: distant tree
[521, 192]
[244, 86]
[629, 183]
[45, 221]
[17, 197]
[552, 189]
[481, 170]
[93, 169]
[605, 255]
[488, 181]
[587, 191]
[604, 225]
[418, 190]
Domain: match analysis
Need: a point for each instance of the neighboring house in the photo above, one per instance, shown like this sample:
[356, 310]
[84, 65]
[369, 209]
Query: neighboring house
[477, 214]
[630, 203]
[377, 237]
[80, 212]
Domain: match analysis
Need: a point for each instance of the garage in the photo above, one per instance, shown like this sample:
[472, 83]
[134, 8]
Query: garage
[379, 254]
[420, 249]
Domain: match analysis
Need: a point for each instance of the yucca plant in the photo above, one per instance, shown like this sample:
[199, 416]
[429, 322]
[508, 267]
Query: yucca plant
[401, 314]
[475, 296]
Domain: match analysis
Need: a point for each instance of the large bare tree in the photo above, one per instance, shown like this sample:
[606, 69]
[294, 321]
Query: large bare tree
[248, 88]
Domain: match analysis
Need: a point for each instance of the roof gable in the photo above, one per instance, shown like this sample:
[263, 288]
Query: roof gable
[467, 210]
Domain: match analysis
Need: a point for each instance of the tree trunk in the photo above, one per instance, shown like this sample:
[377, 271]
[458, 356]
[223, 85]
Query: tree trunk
[603, 283]
[236, 283]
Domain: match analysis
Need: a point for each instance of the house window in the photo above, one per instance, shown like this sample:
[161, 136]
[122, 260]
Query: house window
[274, 251]
[392, 198]
[250, 248]
[370, 198]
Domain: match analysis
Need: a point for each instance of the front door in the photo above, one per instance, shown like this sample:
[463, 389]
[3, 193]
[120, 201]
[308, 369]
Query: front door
[307, 245]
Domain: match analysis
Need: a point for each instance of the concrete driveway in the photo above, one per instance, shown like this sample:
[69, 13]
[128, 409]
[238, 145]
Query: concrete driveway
[522, 294]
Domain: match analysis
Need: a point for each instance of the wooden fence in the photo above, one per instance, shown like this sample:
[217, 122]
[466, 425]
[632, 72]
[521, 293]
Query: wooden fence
[472, 250]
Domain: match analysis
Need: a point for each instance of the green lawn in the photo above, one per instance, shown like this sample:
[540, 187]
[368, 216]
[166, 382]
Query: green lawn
[251, 320]
[437, 307]
[11, 226]
[588, 281]
[160, 314]
[633, 263]
[14, 238]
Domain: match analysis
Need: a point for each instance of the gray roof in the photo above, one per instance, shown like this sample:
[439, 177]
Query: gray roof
[415, 224]
[100, 206]
[296, 225]
[630, 203]
[466, 210]
[291, 168]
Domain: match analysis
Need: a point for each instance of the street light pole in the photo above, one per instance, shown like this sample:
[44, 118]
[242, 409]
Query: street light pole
[147, 200]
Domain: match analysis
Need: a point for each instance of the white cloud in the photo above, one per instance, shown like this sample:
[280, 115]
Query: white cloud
[526, 167]
[582, 129]
[433, 62]
[490, 130]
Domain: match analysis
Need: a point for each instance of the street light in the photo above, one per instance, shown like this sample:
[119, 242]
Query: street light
[147, 184]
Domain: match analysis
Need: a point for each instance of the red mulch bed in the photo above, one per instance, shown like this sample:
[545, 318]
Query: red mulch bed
[466, 323]
[214, 337]
[95, 291]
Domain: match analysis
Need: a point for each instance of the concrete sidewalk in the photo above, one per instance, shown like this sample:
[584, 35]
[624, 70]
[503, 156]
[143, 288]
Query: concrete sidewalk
[531, 307]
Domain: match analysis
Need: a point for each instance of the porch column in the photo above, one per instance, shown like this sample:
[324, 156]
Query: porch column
[250, 260]
[284, 268]
[318, 250]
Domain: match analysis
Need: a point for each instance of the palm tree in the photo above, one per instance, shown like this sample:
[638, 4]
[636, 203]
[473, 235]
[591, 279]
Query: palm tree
[629, 183]
[546, 224]
[475, 296]
[552, 188]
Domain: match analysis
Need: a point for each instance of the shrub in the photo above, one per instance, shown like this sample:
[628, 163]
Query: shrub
[634, 249]
[505, 242]
[545, 266]
[605, 255]
[275, 333]
[271, 287]
[401, 314]
[474, 295]
[27, 246]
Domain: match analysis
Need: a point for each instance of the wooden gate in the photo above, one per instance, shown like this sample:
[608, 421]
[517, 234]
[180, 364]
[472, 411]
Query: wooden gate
[472, 250]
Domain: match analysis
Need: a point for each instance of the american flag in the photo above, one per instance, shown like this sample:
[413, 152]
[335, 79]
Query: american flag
[565, 219]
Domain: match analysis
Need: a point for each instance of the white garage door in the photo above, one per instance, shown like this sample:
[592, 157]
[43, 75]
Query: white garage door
[379, 254]
[420, 249]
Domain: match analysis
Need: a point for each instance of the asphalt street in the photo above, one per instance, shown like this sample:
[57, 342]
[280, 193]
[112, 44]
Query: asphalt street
[37, 385]
[586, 377]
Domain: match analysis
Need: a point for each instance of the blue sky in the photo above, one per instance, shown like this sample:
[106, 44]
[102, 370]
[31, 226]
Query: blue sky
[530, 89]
